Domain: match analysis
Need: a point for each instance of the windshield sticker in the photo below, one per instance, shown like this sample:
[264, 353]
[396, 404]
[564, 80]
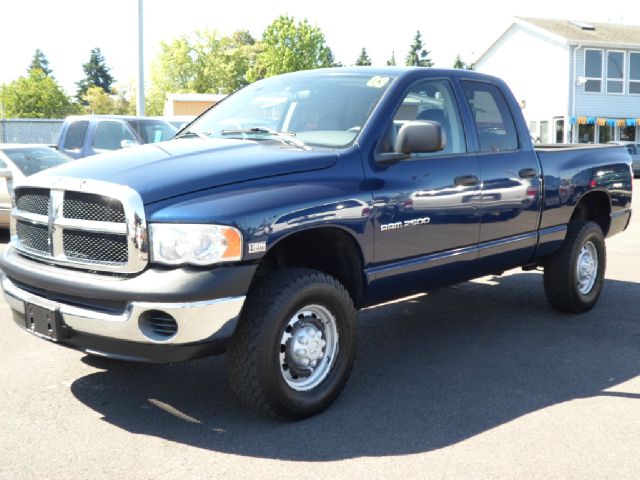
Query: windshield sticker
[377, 81]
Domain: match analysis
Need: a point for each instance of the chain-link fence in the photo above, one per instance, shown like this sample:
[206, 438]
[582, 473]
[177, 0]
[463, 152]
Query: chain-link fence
[30, 130]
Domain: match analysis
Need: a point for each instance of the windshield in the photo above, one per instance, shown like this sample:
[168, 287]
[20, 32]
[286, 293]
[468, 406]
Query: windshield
[326, 110]
[36, 159]
[153, 131]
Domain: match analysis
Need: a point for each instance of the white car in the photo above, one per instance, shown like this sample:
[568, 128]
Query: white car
[21, 160]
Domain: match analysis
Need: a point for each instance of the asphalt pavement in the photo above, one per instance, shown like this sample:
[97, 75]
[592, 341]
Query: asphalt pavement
[479, 380]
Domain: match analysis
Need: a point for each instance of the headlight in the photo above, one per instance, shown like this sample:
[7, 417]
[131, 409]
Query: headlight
[178, 244]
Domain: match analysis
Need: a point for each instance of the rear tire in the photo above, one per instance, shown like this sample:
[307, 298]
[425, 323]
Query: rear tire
[574, 277]
[294, 347]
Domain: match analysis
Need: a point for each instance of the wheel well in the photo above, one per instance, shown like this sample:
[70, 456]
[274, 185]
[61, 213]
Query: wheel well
[595, 207]
[329, 250]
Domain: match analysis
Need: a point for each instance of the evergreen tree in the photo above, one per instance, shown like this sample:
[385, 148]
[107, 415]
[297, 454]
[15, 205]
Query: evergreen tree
[462, 65]
[418, 56]
[96, 75]
[40, 62]
[392, 61]
[363, 59]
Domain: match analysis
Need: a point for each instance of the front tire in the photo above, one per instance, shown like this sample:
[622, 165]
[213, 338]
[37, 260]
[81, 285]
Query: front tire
[574, 277]
[294, 347]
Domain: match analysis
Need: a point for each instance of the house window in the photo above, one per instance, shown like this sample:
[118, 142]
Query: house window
[593, 70]
[544, 131]
[628, 134]
[586, 133]
[634, 73]
[605, 134]
[559, 127]
[615, 72]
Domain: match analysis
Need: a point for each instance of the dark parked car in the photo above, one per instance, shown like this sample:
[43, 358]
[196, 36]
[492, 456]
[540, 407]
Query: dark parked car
[82, 136]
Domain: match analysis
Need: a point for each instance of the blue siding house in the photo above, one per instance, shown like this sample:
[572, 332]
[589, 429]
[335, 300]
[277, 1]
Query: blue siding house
[576, 81]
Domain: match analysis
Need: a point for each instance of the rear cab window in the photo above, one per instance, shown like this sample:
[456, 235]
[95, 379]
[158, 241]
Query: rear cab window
[74, 138]
[494, 122]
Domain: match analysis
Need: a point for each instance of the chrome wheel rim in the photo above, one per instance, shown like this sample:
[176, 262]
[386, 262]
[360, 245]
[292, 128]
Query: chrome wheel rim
[308, 347]
[587, 268]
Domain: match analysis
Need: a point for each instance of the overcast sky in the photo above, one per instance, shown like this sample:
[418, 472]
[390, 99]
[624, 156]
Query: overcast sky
[66, 30]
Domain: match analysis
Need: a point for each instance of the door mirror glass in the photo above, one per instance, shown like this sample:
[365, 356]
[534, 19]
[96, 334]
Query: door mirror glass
[420, 136]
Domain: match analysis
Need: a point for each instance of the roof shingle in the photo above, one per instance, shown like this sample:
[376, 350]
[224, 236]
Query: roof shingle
[613, 33]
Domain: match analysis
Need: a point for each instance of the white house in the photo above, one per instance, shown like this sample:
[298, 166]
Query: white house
[576, 81]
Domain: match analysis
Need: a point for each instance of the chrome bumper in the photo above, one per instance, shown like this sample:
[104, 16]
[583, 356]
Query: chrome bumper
[197, 321]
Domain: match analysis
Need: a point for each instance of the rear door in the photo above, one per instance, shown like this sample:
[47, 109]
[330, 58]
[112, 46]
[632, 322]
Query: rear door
[511, 179]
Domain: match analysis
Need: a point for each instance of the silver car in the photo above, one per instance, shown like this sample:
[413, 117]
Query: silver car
[21, 160]
[634, 150]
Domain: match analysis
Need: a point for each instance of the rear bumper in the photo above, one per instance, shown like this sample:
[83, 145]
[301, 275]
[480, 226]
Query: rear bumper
[619, 222]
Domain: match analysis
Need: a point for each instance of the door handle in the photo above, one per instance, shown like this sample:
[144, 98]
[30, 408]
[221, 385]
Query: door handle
[466, 180]
[528, 173]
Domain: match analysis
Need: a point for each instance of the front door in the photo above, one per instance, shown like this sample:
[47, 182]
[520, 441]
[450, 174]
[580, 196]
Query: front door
[427, 209]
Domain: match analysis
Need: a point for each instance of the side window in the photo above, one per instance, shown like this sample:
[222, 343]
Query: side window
[2, 164]
[496, 130]
[74, 139]
[109, 136]
[433, 100]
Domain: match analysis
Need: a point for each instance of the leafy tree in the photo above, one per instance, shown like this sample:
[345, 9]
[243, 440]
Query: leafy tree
[392, 61]
[288, 46]
[462, 65]
[204, 63]
[363, 59]
[40, 62]
[96, 75]
[99, 102]
[418, 56]
[36, 96]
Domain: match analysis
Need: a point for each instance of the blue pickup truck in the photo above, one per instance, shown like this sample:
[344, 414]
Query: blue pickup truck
[261, 228]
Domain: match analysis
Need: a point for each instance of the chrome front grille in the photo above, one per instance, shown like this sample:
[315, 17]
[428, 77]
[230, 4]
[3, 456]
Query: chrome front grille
[95, 247]
[84, 224]
[33, 237]
[33, 200]
[89, 206]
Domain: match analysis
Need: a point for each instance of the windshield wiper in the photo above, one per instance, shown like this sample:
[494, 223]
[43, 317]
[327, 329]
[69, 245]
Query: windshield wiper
[190, 134]
[270, 131]
[285, 136]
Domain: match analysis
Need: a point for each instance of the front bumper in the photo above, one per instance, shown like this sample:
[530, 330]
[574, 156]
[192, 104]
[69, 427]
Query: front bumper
[109, 317]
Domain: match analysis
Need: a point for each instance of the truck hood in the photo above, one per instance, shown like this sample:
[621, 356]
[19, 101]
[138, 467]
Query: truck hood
[181, 166]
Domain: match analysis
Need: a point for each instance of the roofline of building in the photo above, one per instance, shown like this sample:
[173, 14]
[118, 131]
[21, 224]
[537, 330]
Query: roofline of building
[558, 38]
[617, 45]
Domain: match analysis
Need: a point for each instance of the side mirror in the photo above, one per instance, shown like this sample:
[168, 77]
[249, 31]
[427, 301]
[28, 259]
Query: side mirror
[420, 136]
[6, 173]
[128, 144]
